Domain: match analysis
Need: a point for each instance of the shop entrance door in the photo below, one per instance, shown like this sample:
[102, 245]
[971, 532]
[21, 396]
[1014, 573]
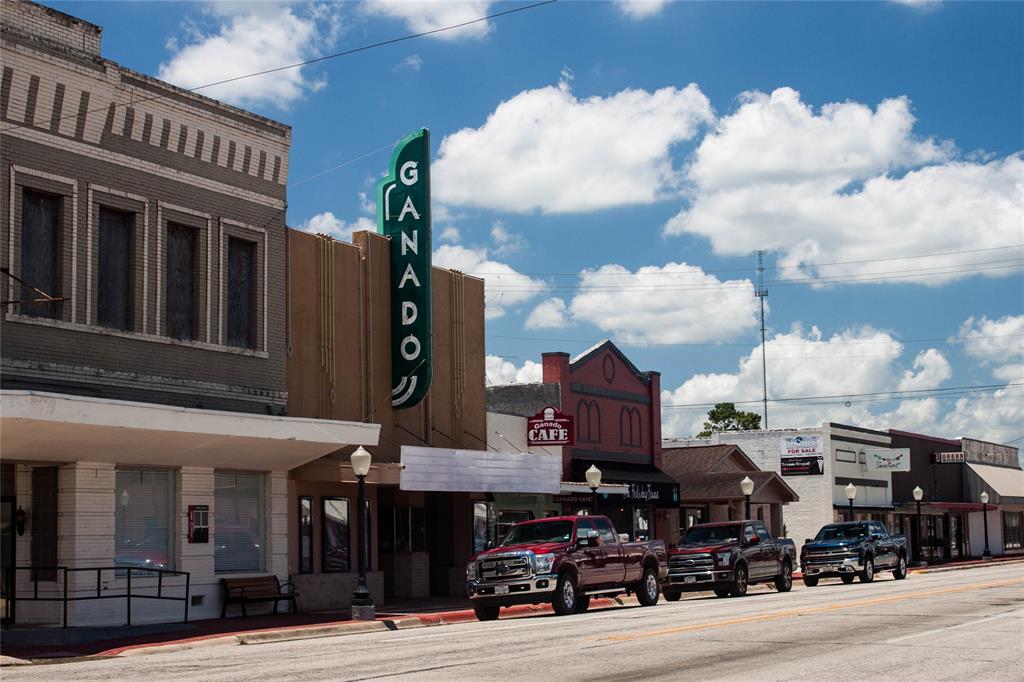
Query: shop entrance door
[7, 547]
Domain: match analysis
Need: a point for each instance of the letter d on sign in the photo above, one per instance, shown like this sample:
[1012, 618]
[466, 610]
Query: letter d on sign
[403, 215]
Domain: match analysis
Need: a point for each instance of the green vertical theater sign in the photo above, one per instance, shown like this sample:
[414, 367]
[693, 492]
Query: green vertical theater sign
[403, 214]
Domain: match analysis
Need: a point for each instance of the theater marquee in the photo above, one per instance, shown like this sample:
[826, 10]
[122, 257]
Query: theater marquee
[403, 214]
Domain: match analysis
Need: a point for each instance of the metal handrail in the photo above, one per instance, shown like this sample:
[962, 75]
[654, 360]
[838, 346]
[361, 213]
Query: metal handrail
[64, 598]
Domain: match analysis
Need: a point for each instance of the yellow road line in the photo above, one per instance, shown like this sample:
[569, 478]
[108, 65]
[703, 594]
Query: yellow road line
[814, 609]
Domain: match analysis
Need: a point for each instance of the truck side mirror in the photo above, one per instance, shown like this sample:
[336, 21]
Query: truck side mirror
[587, 537]
[808, 540]
[754, 540]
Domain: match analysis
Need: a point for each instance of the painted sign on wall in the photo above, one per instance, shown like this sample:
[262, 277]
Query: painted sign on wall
[549, 427]
[949, 457]
[403, 214]
[888, 460]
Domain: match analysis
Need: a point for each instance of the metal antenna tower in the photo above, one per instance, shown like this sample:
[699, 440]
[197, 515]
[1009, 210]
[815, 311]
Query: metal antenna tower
[762, 293]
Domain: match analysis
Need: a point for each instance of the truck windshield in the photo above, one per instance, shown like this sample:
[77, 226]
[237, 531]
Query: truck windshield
[707, 535]
[841, 533]
[549, 531]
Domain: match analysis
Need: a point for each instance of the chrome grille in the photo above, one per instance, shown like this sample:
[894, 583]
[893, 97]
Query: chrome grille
[690, 562]
[506, 568]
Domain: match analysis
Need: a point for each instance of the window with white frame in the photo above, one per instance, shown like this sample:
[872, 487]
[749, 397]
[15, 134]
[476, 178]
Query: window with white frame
[846, 456]
[1012, 530]
[238, 524]
[143, 518]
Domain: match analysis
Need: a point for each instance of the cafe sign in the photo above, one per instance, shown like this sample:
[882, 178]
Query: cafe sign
[549, 427]
[896, 459]
[403, 215]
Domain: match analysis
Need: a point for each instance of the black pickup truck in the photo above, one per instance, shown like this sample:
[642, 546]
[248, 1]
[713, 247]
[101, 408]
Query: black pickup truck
[856, 549]
[727, 557]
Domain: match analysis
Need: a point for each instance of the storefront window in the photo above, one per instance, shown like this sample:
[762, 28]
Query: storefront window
[507, 519]
[238, 523]
[1012, 530]
[336, 552]
[143, 518]
[402, 529]
[484, 526]
[305, 534]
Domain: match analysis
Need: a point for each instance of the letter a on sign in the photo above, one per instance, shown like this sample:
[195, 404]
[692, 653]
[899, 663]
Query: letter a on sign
[403, 215]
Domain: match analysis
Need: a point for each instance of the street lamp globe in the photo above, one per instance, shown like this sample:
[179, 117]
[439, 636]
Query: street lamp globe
[361, 461]
[851, 492]
[984, 497]
[747, 486]
[593, 475]
[918, 493]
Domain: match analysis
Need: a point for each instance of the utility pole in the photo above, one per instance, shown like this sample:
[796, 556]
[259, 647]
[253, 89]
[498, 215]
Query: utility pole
[762, 293]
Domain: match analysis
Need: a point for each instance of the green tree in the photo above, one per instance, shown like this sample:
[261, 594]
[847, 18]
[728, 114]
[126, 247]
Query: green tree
[725, 417]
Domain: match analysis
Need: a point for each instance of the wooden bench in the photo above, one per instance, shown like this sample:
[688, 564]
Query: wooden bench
[264, 588]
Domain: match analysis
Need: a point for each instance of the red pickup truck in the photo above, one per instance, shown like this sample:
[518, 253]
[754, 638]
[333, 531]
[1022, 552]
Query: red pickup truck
[564, 560]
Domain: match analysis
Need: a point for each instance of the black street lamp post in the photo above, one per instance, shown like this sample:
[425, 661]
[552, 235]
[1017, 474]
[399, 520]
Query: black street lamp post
[851, 495]
[747, 487]
[987, 554]
[363, 607]
[593, 475]
[918, 555]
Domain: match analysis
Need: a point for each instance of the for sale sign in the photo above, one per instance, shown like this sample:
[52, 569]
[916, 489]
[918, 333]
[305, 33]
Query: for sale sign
[800, 446]
[549, 427]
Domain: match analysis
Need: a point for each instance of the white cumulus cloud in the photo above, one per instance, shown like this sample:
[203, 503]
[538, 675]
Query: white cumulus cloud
[413, 62]
[504, 287]
[849, 183]
[548, 150]
[549, 314]
[500, 372]
[640, 9]
[930, 369]
[674, 303]
[994, 341]
[329, 224]
[420, 16]
[450, 234]
[249, 38]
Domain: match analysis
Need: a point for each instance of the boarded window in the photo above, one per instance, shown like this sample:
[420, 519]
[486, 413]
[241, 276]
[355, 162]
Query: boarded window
[40, 257]
[181, 255]
[114, 289]
[241, 269]
[44, 521]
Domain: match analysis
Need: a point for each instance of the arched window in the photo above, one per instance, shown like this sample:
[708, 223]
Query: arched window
[625, 426]
[636, 428]
[595, 422]
[582, 421]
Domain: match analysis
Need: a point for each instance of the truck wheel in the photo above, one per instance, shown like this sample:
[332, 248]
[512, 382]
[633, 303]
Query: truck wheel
[901, 568]
[784, 581]
[486, 612]
[648, 590]
[564, 601]
[739, 582]
[721, 591]
[868, 574]
[847, 579]
[810, 581]
[672, 595]
[582, 604]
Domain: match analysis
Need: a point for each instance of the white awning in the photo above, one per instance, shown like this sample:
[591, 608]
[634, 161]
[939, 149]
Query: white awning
[479, 471]
[1005, 485]
[576, 488]
[55, 427]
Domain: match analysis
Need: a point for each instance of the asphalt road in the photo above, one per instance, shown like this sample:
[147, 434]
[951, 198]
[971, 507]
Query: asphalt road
[952, 625]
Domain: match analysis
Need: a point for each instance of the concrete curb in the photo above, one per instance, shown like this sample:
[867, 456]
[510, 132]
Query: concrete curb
[289, 634]
[146, 649]
[11, 660]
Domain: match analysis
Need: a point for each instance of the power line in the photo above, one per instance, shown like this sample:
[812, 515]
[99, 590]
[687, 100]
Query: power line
[767, 267]
[933, 271]
[343, 53]
[890, 395]
[774, 344]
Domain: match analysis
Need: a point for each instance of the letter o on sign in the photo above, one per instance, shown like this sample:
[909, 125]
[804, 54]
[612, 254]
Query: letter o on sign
[410, 341]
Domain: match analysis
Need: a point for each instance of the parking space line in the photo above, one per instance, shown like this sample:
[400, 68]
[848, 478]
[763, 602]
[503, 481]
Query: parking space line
[938, 631]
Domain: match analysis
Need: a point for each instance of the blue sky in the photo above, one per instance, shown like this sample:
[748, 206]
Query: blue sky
[653, 147]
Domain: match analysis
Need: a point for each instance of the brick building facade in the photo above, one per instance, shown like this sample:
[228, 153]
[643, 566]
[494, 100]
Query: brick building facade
[156, 379]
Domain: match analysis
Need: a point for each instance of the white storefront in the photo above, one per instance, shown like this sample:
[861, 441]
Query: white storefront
[110, 484]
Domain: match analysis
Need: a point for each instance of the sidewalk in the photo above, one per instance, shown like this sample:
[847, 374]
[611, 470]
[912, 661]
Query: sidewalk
[52, 643]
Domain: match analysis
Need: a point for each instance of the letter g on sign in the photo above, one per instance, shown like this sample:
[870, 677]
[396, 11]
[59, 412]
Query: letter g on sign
[409, 175]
